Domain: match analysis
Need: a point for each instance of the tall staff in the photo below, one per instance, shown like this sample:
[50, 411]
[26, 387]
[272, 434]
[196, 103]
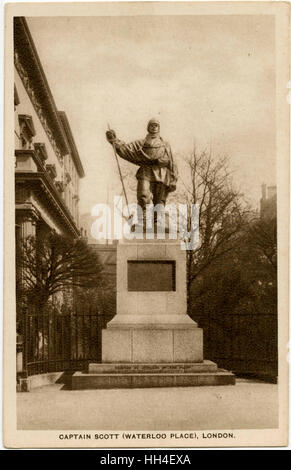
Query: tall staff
[120, 174]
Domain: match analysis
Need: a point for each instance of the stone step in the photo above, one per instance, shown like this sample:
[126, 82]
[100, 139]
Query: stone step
[81, 381]
[129, 368]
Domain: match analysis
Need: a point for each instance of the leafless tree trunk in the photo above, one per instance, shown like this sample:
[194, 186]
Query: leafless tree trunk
[222, 213]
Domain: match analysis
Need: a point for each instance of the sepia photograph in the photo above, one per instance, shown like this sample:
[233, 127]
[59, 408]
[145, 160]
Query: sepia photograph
[146, 224]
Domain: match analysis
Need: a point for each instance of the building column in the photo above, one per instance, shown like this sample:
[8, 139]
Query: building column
[26, 221]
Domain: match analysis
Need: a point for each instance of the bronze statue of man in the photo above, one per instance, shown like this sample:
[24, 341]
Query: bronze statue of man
[157, 175]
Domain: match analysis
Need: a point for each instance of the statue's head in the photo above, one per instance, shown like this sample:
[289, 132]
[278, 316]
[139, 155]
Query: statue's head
[153, 126]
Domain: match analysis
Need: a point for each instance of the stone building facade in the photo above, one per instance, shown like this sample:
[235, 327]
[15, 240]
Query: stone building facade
[47, 163]
[268, 202]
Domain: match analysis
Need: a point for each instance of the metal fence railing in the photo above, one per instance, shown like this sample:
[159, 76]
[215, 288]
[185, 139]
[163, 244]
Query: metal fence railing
[55, 342]
[244, 343]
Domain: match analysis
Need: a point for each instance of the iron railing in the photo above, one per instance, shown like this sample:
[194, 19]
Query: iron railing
[244, 343]
[55, 342]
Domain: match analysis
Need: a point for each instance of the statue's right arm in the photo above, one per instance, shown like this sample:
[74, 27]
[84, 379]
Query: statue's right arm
[131, 152]
[128, 152]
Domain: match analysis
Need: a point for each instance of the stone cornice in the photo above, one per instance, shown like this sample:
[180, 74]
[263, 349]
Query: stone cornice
[30, 153]
[73, 147]
[45, 189]
[28, 211]
[34, 80]
[42, 182]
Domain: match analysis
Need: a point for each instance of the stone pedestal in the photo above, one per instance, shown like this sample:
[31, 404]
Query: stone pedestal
[152, 345]
[151, 326]
[151, 341]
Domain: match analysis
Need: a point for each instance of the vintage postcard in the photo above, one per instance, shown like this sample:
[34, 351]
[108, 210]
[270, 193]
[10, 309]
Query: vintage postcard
[146, 224]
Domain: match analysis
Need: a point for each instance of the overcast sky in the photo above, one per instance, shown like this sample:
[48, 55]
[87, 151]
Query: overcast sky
[208, 78]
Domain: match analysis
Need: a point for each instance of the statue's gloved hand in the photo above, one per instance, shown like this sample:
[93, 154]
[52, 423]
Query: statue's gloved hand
[111, 136]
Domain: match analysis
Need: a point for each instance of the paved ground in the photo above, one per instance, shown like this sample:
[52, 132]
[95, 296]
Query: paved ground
[247, 405]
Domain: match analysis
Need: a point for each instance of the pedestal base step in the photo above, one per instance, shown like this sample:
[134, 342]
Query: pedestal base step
[103, 376]
[149, 368]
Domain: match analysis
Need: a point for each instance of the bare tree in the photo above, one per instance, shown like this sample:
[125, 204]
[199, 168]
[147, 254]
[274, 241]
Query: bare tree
[55, 264]
[262, 237]
[222, 212]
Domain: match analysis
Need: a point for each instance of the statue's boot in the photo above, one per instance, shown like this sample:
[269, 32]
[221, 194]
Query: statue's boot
[140, 226]
[161, 221]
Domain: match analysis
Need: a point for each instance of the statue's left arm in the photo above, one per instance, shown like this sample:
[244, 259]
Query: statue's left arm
[172, 167]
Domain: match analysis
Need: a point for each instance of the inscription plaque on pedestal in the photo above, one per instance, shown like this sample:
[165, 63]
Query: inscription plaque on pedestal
[151, 276]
